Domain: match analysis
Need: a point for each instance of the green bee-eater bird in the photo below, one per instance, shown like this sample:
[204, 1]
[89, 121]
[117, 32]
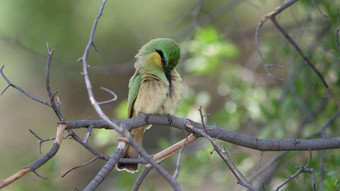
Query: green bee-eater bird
[155, 88]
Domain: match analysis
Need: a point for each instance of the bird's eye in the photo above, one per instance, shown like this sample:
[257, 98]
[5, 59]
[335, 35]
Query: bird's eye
[162, 56]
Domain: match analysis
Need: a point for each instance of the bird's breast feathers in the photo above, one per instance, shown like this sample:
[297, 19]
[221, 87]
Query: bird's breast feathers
[156, 96]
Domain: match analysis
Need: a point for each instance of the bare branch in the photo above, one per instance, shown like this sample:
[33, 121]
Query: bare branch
[202, 118]
[276, 11]
[179, 159]
[111, 100]
[107, 168]
[82, 165]
[140, 178]
[266, 167]
[39, 162]
[221, 152]
[318, 8]
[21, 90]
[87, 147]
[88, 134]
[214, 131]
[38, 175]
[55, 106]
[326, 125]
[259, 163]
[166, 153]
[302, 169]
[306, 59]
[194, 24]
[41, 141]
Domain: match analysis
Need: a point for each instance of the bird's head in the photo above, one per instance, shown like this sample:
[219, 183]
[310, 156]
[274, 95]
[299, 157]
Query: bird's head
[167, 49]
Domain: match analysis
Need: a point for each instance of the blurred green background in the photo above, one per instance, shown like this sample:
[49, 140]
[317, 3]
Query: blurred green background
[221, 71]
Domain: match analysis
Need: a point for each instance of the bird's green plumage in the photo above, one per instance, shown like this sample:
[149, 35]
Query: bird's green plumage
[155, 87]
[169, 48]
[145, 66]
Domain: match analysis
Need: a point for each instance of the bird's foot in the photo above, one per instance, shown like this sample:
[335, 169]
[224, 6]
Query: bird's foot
[169, 119]
[146, 117]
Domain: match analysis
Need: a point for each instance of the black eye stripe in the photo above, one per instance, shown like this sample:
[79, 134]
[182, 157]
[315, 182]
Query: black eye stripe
[166, 70]
[161, 55]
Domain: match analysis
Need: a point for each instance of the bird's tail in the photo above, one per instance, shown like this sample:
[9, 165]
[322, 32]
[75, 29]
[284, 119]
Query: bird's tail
[130, 152]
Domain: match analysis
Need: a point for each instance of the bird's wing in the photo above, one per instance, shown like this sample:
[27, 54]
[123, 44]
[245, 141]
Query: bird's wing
[134, 85]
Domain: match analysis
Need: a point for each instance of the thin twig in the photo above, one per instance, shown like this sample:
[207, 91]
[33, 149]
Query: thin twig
[259, 163]
[276, 11]
[55, 106]
[88, 134]
[21, 90]
[302, 169]
[82, 165]
[38, 175]
[306, 59]
[194, 24]
[235, 168]
[41, 141]
[179, 159]
[266, 167]
[111, 100]
[140, 179]
[318, 8]
[326, 125]
[222, 153]
[202, 117]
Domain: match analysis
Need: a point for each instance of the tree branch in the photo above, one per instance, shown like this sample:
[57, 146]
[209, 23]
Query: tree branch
[216, 132]
[276, 11]
[302, 169]
[9, 83]
[39, 162]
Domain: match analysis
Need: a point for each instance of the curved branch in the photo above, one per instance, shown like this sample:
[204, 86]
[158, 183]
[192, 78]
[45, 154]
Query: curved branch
[111, 100]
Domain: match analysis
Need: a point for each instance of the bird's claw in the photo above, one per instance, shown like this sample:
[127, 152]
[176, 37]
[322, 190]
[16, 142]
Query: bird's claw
[169, 119]
[146, 118]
